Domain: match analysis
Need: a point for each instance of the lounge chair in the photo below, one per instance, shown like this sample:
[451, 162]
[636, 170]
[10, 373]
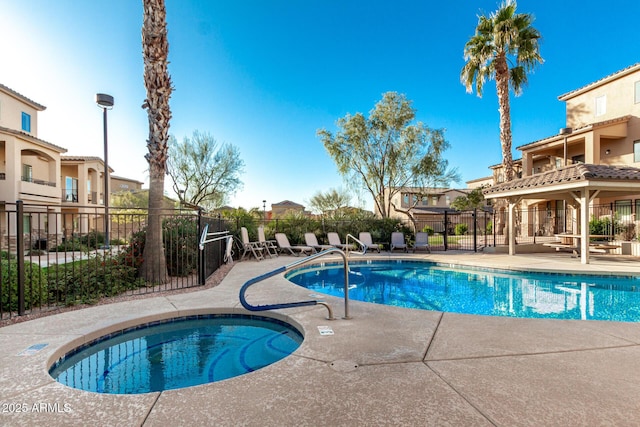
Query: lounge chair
[284, 245]
[311, 240]
[422, 241]
[334, 240]
[367, 241]
[248, 246]
[269, 245]
[397, 241]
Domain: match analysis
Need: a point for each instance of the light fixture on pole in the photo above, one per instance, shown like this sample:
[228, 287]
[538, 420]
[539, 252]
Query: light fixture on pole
[565, 132]
[264, 211]
[105, 102]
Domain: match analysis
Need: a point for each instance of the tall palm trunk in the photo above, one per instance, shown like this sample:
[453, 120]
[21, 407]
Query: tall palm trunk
[155, 50]
[504, 108]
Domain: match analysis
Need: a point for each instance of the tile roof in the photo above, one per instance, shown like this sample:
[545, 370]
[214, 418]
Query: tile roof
[32, 138]
[567, 174]
[80, 158]
[22, 97]
[589, 126]
[620, 73]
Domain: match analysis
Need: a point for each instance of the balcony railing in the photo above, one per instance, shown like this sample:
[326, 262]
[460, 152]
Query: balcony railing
[38, 181]
[69, 195]
[93, 198]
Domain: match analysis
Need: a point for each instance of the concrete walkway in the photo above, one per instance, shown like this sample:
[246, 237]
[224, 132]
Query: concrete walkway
[385, 366]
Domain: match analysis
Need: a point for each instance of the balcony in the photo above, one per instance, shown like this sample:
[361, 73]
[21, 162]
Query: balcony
[37, 181]
[70, 195]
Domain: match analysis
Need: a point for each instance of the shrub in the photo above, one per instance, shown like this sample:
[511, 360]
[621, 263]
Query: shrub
[35, 284]
[428, 229]
[71, 245]
[6, 255]
[89, 280]
[92, 240]
[461, 229]
[180, 235]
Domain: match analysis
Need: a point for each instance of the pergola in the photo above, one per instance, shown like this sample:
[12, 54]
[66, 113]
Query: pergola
[580, 182]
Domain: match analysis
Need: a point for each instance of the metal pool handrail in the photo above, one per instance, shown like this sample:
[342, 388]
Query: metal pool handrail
[288, 267]
[204, 237]
[362, 245]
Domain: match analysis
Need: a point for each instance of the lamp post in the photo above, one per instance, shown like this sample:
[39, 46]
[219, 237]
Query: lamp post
[565, 132]
[105, 102]
[264, 212]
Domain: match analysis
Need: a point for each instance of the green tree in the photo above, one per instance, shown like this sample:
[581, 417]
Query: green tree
[387, 151]
[331, 201]
[505, 47]
[473, 200]
[155, 51]
[203, 173]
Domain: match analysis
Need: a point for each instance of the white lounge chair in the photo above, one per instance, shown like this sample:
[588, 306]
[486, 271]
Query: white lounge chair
[311, 240]
[334, 240]
[248, 246]
[269, 245]
[422, 241]
[397, 241]
[367, 241]
[284, 245]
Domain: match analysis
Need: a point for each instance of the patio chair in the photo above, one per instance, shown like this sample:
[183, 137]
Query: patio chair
[269, 245]
[367, 241]
[311, 240]
[397, 241]
[334, 240]
[248, 246]
[422, 241]
[284, 245]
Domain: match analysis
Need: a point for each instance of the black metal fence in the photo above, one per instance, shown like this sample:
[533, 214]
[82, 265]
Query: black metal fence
[50, 258]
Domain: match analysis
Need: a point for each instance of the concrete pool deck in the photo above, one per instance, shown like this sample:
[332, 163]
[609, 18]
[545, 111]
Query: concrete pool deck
[385, 366]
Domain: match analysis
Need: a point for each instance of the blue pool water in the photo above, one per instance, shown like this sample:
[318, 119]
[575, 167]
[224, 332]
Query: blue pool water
[430, 286]
[177, 353]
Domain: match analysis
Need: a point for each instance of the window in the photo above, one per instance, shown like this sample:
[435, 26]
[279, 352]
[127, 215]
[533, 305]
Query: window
[71, 189]
[601, 105]
[636, 151]
[434, 200]
[26, 122]
[405, 199]
[637, 202]
[637, 90]
[27, 173]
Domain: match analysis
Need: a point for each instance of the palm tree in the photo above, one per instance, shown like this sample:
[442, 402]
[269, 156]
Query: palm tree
[155, 50]
[505, 47]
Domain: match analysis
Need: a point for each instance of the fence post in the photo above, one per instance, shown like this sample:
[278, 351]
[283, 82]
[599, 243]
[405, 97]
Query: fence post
[201, 257]
[475, 229]
[446, 231]
[20, 254]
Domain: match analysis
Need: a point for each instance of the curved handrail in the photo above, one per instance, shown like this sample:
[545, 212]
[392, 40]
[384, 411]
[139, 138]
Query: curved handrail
[288, 267]
[204, 237]
[362, 245]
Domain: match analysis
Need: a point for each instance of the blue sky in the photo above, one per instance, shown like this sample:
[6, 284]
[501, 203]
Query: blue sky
[266, 75]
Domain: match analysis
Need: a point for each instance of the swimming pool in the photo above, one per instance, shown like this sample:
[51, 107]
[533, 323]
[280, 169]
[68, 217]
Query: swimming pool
[176, 353]
[434, 286]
